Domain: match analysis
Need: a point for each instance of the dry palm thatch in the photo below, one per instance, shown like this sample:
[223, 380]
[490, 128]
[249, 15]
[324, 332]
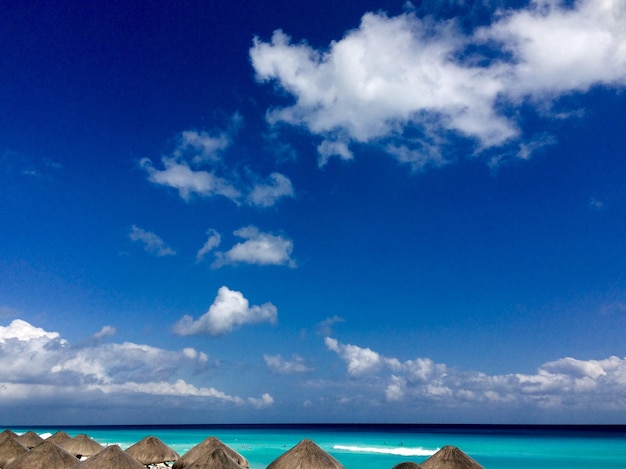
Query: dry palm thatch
[203, 450]
[8, 433]
[10, 450]
[46, 455]
[218, 459]
[30, 439]
[82, 445]
[59, 438]
[305, 455]
[450, 457]
[112, 457]
[407, 465]
[151, 450]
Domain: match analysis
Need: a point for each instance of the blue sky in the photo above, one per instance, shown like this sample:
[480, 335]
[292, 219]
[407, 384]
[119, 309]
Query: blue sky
[313, 212]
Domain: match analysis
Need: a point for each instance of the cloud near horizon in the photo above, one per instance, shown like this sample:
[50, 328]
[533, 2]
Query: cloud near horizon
[563, 383]
[411, 83]
[229, 311]
[39, 364]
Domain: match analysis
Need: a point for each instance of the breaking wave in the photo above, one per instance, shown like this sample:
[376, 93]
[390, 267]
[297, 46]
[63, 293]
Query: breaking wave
[397, 450]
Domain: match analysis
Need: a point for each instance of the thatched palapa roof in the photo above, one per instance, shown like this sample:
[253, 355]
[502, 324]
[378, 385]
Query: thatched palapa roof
[202, 451]
[30, 439]
[305, 455]
[151, 450]
[450, 457]
[81, 445]
[218, 459]
[8, 433]
[46, 455]
[10, 450]
[112, 457]
[407, 465]
[59, 438]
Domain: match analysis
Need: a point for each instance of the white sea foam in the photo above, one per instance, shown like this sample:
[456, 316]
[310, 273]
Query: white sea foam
[396, 450]
[46, 435]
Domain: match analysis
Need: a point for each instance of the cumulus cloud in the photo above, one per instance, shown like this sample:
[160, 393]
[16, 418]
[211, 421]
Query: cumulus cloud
[265, 194]
[258, 248]
[398, 76]
[278, 365]
[563, 383]
[38, 364]
[152, 243]
[211, 243]
[230, 310]
[196, 167]
[360, 361]
[23, 331]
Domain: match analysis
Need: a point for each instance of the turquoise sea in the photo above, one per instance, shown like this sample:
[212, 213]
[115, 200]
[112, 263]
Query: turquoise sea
[383, 446]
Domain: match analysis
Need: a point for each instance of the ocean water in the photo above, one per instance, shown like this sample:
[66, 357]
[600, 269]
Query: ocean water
[383, 446]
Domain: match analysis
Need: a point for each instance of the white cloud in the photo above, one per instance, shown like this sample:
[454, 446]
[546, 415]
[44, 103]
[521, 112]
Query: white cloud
[278, 365]
[360, 361]
[258, 248]
[564, 383]
[211, 243]
[24, 332]
[180, 388]
[229, 311]
[328, 148]
[266, 194]
[106, 331]
[393, 74]
[187, 181]
[196, 167]
[37, 365]
[559, 48]
[260, 403]
[152, 243]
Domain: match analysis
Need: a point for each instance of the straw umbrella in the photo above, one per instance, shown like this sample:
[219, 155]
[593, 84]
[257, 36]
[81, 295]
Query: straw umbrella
[46, 455]
[112, 457]
[203, 450]
[450, 457]
[151, 450]
[30, 439]
[218, 459]
[10, 450]
[407, 465]
[8, 433]
[305, 455]
[59, 438]
[81, 445]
